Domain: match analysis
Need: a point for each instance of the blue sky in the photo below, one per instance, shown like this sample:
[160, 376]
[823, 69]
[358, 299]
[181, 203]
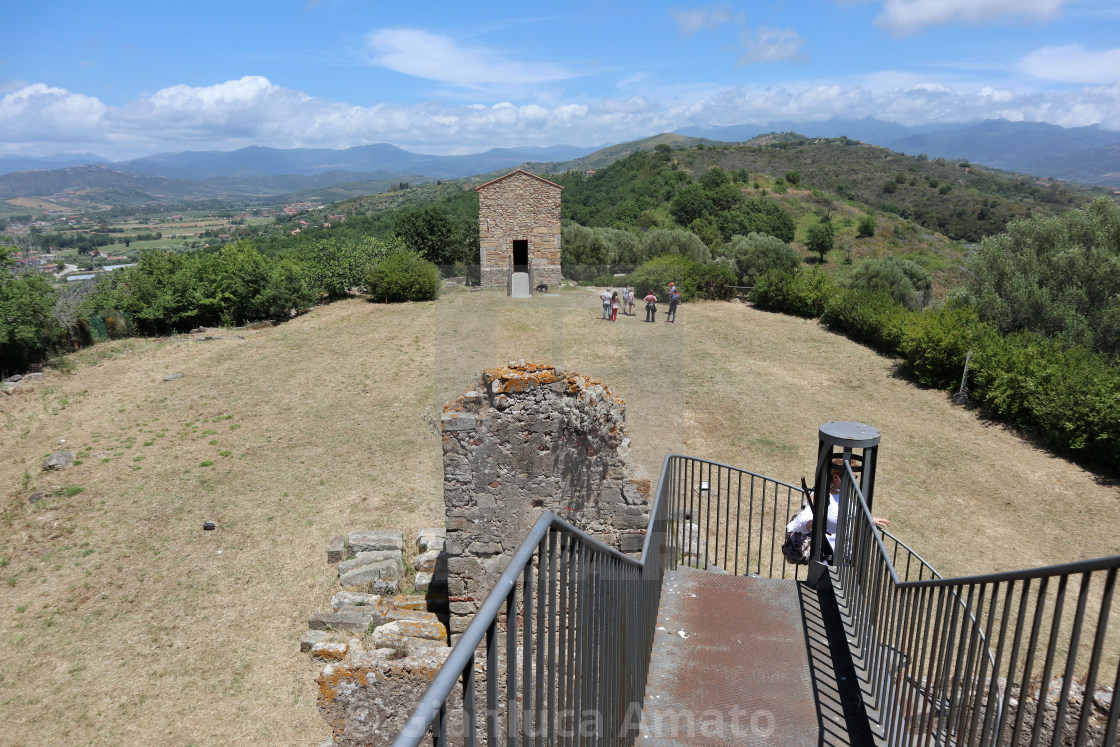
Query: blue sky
[124, 79]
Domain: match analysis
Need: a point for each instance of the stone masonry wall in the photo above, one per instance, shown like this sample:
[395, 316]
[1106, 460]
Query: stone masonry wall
[528, 439]
[519, 206]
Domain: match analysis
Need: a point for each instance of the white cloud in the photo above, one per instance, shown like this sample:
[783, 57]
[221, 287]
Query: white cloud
[39, 112]
[692, 20]
[1072, 63]
[770, 45]
[39, 120]
[911, 16]
[440, 58]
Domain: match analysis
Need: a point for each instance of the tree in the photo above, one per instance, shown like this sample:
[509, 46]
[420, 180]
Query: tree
[430, 233]
[756, 254]
[664, 241]
[691, 203]
[866, 227]
[821, 238]
[903, 280]
[28, 329]
[1056, 276]
[793, 177]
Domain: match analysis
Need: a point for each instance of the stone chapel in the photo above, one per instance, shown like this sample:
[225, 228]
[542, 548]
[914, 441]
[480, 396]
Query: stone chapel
[519, 229]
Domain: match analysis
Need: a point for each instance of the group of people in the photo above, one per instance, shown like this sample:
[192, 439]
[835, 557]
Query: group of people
[612, 302]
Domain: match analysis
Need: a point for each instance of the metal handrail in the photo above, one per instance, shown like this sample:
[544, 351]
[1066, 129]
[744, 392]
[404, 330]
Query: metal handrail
[595, 609]
[965, 660]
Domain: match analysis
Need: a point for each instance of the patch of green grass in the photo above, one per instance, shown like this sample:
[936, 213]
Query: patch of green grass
[207, 463]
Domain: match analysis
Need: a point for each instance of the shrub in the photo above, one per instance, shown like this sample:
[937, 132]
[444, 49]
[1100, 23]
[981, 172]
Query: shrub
[872, 317]
[821, 237]
[905, 281]
[403, 277]
[936, 343]
[757, 254]
[1068, 397]
[28, 328]
[866, 227]
[694, 279]
[804, 293]
[287, 292]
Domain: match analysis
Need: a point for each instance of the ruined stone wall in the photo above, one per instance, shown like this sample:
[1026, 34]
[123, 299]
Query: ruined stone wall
[528, 439]
[519, 206]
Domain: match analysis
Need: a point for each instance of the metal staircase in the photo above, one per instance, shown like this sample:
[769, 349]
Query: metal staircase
[578, 644]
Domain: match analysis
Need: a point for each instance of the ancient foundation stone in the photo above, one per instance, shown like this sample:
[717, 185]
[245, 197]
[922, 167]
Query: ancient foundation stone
[531, 438]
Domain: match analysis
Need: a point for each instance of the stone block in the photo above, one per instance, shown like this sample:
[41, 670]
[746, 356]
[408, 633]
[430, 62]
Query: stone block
[419, 615]
[426, 629]
[344, 599]
[336, 549]
[359, 580]
[379, 539]
[424, 536]
[462, 608]
[382, 570]
[409, 602]
[484, 548]
[327, 651]
[631, 542]
[429, 561]
[372, 557]
[59, 459]
[459, 623]
[465, 565]
[356, 620]
[310, 638]
[458, 421]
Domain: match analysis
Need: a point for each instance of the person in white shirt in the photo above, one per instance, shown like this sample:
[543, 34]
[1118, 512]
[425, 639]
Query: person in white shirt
[802, 523]
[606, 296]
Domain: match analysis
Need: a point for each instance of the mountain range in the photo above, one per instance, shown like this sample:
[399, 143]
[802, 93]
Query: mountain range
[1083, 154]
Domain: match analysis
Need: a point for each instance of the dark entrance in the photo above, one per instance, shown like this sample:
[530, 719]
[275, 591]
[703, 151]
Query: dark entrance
[520, 255]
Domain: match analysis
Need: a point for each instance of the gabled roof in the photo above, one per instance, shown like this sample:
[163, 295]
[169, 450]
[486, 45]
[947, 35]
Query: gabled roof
[518, 171]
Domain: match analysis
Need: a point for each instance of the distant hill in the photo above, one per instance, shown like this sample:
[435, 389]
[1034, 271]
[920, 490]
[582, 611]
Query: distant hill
[359, 161]
[606, 156]
[10, 163]
[1039, 149]
[98, 178]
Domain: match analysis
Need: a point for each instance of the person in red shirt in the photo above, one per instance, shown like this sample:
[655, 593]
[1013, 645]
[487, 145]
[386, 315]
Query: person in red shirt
[651, 307]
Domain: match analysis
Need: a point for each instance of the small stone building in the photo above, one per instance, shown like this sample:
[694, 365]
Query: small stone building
[519, 225]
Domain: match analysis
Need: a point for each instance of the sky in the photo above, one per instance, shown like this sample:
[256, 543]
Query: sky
[124, 79]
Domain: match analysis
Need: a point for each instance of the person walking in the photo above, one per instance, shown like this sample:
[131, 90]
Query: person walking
[651, 307]
[615, 303]
[674, 299]
[606, 297]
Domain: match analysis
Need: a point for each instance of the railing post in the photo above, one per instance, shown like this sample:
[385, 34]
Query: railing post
[856, 444]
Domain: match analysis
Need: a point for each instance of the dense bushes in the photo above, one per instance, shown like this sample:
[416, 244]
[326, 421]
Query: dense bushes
[803, 293]
[1067, 397]
[404, 276]
[905, 281]
[756, 254]
[695, 280]
[1059, 277]
[28, 329]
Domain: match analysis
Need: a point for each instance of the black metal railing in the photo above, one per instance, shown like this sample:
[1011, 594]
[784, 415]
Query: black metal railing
[574, 660]
[731, 518]
[1004, 658]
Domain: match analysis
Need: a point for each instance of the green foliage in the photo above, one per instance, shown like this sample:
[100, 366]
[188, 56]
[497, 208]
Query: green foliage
[28, 329]
[666, 241]
[872, 317]
[756, 254]
[334, 267]
[757, 215]
[403, 276]
[804, 293]
[903, 280]
[866, 227]
[936, 343]
[1067, 397]
[695, 280]
[690, 204]
[590, 252]
[1056, 276]
[793, 177]
[437, 237]
[821, 237]
[288, 291]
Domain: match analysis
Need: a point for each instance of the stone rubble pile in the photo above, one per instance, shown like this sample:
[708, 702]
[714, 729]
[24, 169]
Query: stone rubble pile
[380, 648]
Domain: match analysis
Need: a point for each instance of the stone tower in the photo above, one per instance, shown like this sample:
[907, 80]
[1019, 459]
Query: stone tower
[519, 226]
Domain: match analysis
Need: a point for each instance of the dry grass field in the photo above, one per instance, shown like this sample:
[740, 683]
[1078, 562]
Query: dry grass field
[122, 622]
